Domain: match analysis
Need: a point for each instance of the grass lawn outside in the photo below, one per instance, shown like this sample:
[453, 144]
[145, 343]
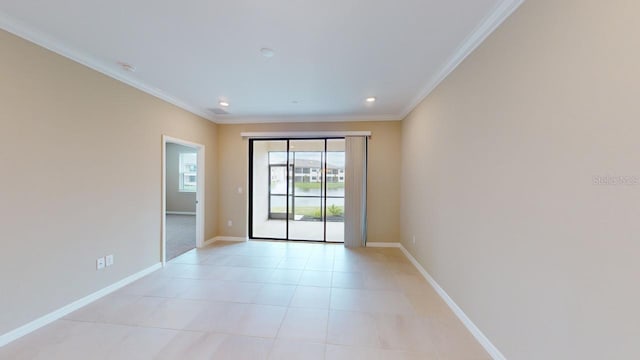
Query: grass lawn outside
[308, 186]
[311, 211]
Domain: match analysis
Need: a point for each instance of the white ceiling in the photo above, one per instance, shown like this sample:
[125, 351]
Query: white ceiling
[329, 54]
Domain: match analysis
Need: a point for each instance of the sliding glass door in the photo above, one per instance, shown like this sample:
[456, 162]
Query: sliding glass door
[307, 190]
[334, 204]
[268, 165]
[297, 189]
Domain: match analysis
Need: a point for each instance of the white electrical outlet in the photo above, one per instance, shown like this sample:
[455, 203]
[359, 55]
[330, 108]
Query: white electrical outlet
[414, 240]
[229, 223]
[109, 259]
[239, 189]
[100, 263]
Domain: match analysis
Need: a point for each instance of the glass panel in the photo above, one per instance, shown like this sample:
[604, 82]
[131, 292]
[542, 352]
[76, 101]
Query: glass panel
[307, 197]
[294, 203]
[278, 175]
[269, 190]
[335, 190]
[188, 165]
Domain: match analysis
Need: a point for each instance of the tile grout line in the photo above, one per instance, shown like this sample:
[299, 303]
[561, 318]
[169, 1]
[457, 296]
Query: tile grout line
[326, 338]
[262, 285]
[275, 339]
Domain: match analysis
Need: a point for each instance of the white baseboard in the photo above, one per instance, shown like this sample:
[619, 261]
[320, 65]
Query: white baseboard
[69, 308]
[180, 213]
[383, 245]
[230, 238]
[208, 242]
[223, 238]
[482, 339]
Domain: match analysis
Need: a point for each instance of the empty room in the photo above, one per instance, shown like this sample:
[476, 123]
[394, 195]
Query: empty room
[181, 204]
[435, 179]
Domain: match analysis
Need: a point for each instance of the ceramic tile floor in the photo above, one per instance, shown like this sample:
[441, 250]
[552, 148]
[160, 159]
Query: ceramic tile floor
[299, 229]
[264, 300]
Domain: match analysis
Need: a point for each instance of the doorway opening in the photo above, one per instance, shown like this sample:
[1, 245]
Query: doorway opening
[183, 194]
[297, 189]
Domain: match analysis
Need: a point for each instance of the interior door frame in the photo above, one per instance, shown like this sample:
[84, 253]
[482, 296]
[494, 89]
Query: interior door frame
[324, 196]
[200, 191]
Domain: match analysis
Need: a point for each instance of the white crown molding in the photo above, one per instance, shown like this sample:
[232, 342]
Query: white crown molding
[486, 27]
[490, 23]
[69, 308]
[26, 32]
[39, 38]
[302, 134]
[225, 119]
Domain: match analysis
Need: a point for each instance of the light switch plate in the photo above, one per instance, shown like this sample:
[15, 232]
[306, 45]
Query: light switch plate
[100, 263]
[109, 259]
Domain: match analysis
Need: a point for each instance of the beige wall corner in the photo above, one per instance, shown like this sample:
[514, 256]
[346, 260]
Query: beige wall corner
[88, 182]
[504, 178]
[383, 202]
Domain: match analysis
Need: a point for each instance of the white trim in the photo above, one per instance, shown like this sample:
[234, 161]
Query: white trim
[69, 308]
[180, 213]
[231, 119]
[182, 142]
[383, 245]
[208, 242]
[223, 238]
[28, 33]
[230, 238]
[500, 13]
[303, 134]
[490, 23]
[201, 184]
[475, 331]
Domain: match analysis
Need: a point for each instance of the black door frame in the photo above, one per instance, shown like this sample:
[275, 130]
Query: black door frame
[323, 195]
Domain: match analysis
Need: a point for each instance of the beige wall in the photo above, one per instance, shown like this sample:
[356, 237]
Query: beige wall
[497, 182]
[177, 200]
[86, 181]
[383, 181]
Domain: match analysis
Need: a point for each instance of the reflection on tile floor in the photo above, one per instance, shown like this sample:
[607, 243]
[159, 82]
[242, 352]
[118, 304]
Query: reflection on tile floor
[264, 300]
[299, 230]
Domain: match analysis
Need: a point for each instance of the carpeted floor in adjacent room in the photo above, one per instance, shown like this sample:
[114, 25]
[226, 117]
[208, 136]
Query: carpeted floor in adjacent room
[181, 234]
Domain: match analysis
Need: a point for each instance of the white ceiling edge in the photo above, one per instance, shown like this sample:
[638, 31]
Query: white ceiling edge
[486, 27]
[490, 23]
[224, 120]
[43, 40]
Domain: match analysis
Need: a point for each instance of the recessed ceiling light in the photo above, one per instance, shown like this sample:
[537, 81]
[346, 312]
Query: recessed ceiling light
[224, 103]
[370, 100]
[266, 52]
[126, 67]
